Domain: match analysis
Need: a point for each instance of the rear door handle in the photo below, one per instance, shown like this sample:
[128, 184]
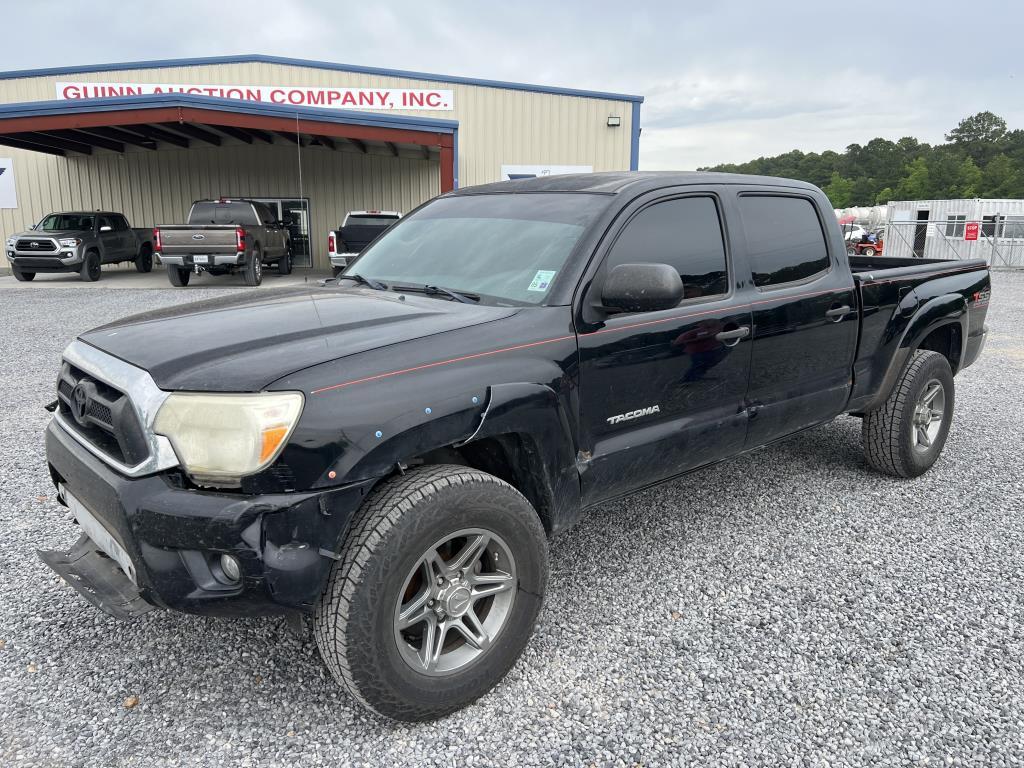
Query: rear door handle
[838, 312]
[734, 335]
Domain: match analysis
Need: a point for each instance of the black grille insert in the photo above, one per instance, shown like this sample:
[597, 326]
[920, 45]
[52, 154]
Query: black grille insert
[100, 414]
[36, 246]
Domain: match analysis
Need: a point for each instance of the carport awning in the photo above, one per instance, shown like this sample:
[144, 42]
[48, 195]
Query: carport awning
[158, 121]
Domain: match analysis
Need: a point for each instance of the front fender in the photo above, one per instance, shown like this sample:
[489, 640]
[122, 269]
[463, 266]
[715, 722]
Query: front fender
[948, 309]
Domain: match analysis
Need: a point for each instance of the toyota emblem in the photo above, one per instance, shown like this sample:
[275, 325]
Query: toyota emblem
[80, 403]
[33, 244]
[198, 237]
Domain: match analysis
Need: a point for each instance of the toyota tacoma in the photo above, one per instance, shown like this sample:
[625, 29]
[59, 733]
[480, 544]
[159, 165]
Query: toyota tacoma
[389, 451]
[79, 242]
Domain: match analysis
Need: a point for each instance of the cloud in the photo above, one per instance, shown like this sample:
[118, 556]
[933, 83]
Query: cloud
[724, 82]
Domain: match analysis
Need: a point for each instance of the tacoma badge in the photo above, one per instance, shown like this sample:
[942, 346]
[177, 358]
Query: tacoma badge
[634, 414]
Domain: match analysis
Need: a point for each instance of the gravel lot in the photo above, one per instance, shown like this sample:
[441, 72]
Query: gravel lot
[788, 608]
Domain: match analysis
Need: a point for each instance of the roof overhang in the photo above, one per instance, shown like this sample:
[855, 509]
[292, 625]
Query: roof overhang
[175, 120]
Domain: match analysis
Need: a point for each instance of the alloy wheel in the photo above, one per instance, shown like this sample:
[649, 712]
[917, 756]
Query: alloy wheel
[928, 415]
[455, 601]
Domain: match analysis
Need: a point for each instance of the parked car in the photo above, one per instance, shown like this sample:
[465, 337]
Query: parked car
[388, 453]
[223, 237]
[356, 232]
[79, 241]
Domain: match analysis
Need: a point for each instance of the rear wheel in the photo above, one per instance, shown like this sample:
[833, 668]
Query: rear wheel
[90, 270]
[337, 270]
[23, 277]
[253, 271]
[179, 276]
[284, 266]
[906, 435]
[869, 251]
[144, 261]
[436, 594]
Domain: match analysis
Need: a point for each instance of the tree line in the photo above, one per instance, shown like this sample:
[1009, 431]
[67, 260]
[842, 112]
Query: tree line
[980, 159]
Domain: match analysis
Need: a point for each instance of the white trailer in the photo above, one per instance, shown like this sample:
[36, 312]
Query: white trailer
[957, 229]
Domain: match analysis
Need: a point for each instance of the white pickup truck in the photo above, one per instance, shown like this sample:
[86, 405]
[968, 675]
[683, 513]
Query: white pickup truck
[357, 231]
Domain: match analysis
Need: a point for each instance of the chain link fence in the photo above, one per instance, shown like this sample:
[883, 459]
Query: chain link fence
[1000, 239]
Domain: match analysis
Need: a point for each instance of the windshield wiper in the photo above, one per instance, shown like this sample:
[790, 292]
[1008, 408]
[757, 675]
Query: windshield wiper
[377, 285]
[437, 290]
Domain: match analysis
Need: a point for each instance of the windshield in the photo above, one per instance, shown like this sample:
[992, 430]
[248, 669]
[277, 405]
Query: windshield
[67, 222]
[505, 247]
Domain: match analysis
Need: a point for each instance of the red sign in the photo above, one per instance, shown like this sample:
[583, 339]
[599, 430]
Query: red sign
[971, 230]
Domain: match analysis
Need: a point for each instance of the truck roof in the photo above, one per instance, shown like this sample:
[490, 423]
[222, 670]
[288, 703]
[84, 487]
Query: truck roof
[613, 183]
[84, 213]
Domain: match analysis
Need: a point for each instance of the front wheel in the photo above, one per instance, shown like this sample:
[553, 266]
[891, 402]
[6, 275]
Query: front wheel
[90, 270]
[905, 436]
[284, 266]
[436, 594]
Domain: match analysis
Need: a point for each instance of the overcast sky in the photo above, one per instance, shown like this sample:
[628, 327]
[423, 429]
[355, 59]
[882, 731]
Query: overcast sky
[723, 81]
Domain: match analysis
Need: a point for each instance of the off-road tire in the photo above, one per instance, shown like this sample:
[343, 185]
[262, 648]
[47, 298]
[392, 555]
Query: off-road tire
[179, 276]
[869, 251]
[144, 261]
[23, 277]
[253, 269]
[353, 624]
[284, 265]
[90, 270]
[887, 432]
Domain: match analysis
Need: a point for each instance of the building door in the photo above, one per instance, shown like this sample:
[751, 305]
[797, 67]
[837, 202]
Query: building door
[294, 212]
[921, 233]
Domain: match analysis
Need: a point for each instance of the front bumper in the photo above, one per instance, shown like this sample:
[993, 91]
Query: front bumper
[286, 543]
[64, 261]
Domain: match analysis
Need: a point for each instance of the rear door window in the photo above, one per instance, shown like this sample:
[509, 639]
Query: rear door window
[685, 233]
[785, 241]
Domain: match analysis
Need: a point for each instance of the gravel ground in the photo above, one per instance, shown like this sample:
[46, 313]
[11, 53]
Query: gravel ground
[788, 608]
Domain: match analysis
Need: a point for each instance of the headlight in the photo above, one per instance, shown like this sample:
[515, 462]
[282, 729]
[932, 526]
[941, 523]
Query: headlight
[70, 242]
[221, 438]
[10, 242]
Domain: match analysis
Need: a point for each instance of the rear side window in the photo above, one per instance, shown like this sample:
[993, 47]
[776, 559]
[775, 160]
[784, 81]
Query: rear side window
[684, 233]
[785, 242]
[370, 221]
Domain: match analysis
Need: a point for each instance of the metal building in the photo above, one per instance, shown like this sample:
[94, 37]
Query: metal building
[957, 229]
[313, 139]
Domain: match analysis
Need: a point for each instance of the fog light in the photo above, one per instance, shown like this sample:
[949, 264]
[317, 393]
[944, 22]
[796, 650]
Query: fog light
[231, 567]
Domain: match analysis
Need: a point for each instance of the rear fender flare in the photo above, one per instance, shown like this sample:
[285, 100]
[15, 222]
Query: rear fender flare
[948, 309]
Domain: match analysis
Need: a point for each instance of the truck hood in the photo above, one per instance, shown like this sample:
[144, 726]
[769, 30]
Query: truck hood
[244, 343]
[30, 233]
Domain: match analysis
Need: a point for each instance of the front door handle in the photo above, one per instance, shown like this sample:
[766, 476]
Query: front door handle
[733, 336]
[838, 313]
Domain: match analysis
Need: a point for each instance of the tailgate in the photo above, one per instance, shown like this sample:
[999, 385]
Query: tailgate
[210, 238]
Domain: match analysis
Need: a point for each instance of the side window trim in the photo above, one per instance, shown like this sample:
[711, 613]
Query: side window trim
[824, 239]
[715, 198]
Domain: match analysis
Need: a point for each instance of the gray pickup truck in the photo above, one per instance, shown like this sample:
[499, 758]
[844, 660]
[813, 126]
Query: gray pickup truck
[224, 237]
[78, 241]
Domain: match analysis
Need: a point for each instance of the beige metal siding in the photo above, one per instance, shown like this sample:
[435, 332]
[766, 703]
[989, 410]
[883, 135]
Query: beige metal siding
[496, 126]
[158, 187]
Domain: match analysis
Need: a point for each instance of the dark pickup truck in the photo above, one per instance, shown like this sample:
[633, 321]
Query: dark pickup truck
[389, 451]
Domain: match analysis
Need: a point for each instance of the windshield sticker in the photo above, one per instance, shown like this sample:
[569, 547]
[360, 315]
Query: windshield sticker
[542, 280]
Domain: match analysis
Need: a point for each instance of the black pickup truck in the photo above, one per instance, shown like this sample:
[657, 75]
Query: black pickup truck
[389, 451]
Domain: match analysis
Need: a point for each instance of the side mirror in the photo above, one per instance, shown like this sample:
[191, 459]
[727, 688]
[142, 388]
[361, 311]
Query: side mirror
[642, 288]
[106, 229]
